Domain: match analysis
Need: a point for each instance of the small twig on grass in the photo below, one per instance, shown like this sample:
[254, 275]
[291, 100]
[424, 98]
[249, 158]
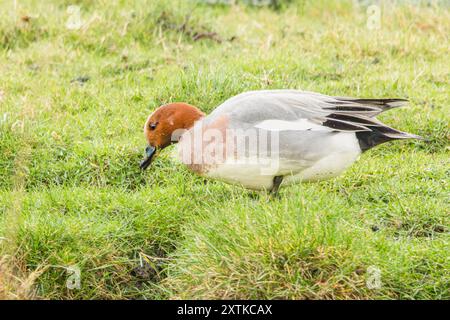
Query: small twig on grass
[206, 35]
[153, 258]
[195, 35]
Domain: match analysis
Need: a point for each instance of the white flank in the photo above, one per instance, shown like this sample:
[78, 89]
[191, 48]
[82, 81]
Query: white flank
[344, 150]
[247, 172]
[250, 172]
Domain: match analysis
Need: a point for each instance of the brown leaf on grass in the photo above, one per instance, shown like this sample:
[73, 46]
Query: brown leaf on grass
[425, 26]
[55, 136]
[25, 18]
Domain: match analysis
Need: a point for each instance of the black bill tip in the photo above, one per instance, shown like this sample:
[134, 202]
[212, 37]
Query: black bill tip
[149, 153]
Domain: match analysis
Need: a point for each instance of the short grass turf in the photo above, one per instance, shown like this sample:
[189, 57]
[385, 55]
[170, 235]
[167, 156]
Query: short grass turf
[73, 103]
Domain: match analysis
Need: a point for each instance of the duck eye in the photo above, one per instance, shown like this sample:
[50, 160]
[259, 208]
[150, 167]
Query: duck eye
[152, 126]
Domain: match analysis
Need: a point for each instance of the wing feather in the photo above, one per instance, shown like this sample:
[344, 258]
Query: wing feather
[336, 113]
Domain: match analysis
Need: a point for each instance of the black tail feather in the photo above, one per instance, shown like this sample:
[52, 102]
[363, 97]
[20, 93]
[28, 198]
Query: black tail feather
[379, 135]
[370, 139]
[369, 131]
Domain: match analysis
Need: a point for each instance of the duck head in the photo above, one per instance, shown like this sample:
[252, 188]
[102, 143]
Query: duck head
[164, 125]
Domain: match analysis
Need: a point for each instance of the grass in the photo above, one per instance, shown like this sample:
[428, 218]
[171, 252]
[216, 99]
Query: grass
[73, 103]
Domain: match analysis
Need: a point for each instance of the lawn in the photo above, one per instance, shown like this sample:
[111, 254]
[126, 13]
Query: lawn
[80, 220]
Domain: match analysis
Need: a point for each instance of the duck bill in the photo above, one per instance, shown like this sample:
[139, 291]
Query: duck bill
[149, 153]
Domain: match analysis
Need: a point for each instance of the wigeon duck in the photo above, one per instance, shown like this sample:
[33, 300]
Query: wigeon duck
[264, 139]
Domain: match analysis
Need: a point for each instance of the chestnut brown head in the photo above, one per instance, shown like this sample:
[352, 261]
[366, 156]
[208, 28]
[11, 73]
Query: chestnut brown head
[162, 125]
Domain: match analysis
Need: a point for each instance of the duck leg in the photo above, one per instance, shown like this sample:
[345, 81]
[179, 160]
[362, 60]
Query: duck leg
[276, 184]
